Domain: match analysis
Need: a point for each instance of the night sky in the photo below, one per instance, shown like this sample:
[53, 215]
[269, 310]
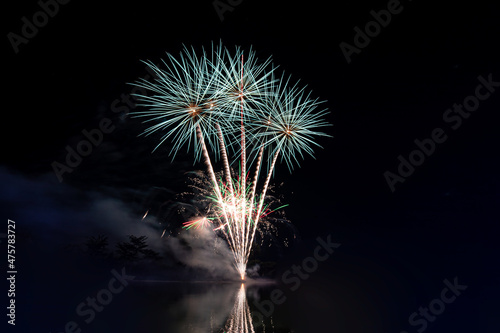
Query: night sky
[400, 238]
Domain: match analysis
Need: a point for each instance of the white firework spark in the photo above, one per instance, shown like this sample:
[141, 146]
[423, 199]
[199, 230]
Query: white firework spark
[221, 101]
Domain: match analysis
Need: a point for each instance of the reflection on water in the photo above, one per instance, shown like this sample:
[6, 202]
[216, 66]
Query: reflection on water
[240, 319]
[217, 308]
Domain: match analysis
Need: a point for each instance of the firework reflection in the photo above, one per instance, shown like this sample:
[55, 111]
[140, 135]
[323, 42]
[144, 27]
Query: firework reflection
[240, 319]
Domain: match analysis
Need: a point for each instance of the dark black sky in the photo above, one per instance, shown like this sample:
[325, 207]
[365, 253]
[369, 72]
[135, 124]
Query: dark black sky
[443, 218]
[396, 90]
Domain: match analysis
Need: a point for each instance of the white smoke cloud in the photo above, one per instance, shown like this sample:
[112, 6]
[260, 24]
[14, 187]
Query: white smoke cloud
[49, 209]
[58, 214]
[201, 248]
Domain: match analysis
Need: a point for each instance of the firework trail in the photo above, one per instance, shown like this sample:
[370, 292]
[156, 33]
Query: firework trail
[230, 104]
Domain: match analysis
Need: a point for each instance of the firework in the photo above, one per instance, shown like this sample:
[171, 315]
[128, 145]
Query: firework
[198, 223]
[233, 107]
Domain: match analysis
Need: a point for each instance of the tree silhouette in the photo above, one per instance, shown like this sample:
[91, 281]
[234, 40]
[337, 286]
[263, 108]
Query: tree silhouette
[97, 245]
[135, 249]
